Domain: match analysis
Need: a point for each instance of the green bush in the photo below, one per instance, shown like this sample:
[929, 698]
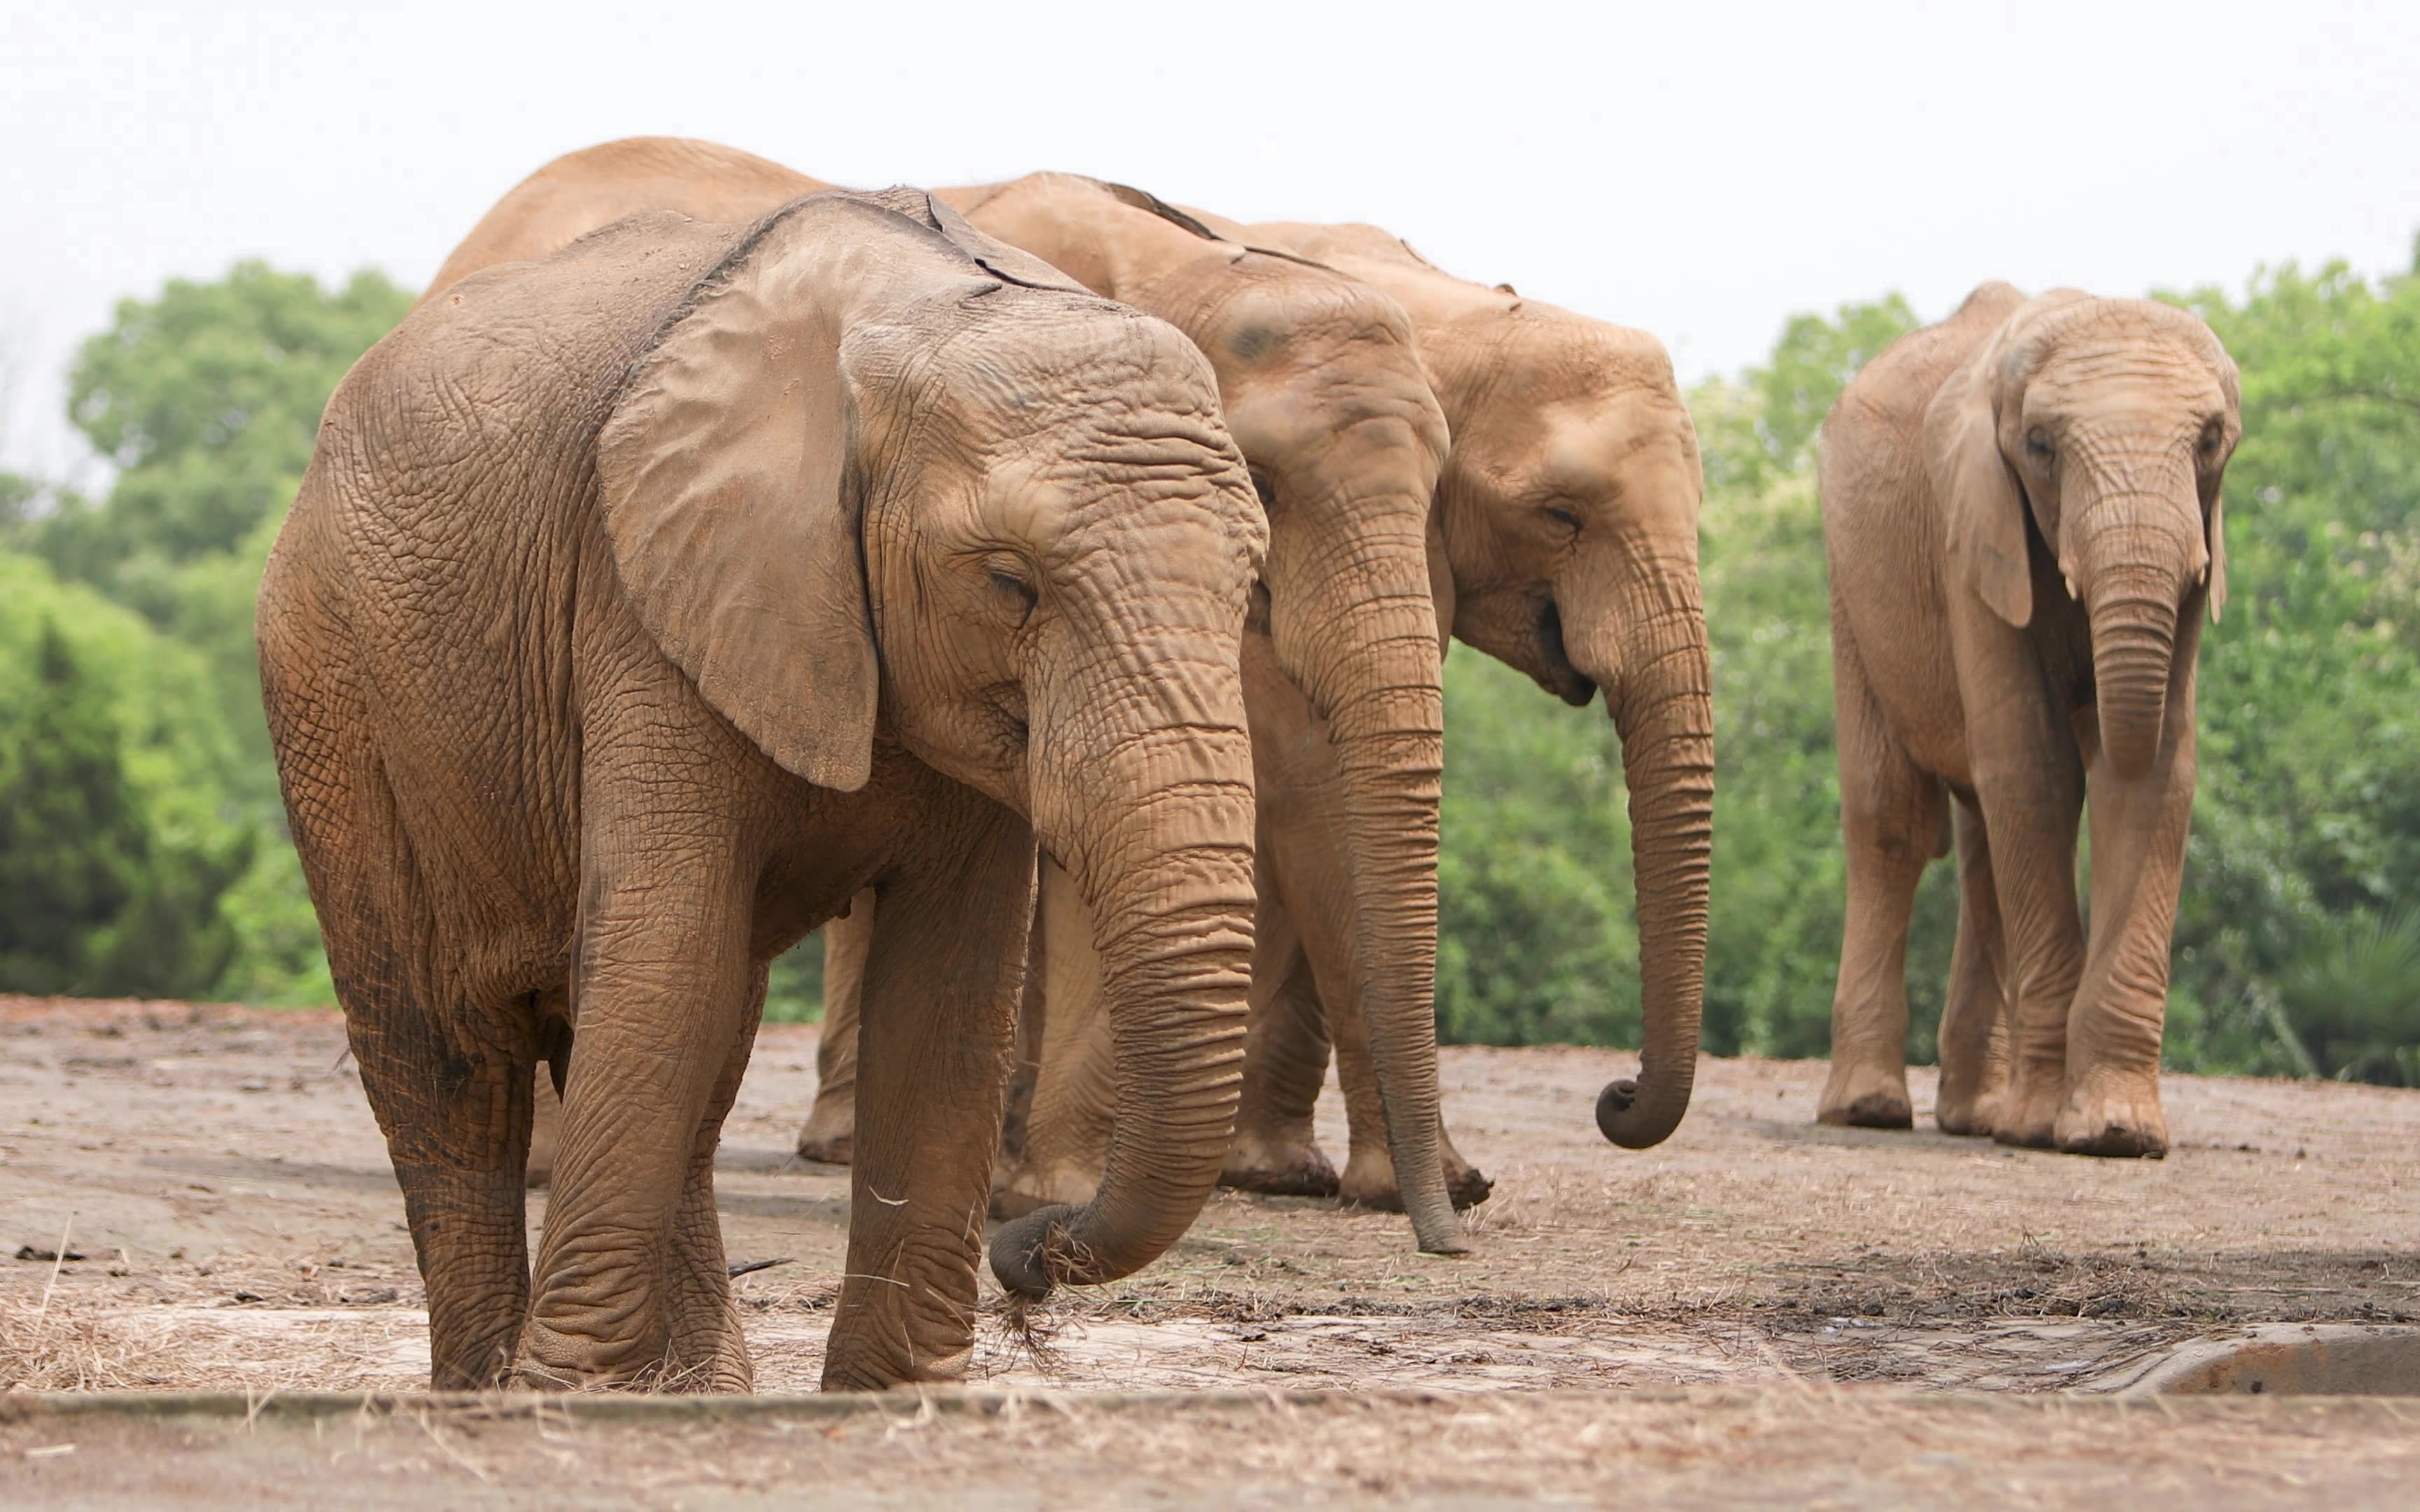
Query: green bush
[115, 858]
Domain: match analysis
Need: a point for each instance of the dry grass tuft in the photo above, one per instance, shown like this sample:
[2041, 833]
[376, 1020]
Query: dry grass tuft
[63, 1349]
[1023, 1333]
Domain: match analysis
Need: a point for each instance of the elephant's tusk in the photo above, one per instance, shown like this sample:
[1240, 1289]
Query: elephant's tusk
[2070, 585]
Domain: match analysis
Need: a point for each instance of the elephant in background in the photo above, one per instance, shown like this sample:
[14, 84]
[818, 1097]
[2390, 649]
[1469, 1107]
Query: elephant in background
[644, 603]
[2021, 514]
[1566, 535]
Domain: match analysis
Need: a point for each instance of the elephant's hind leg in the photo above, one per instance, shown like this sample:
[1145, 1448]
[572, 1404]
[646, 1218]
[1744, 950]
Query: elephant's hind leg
[448, 1073]
[1974, 1019]
[1891, 822]
[830, 1132]
[447, 1068]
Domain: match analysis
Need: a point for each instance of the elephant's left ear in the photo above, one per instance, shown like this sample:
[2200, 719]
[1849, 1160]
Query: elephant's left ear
[732, 505]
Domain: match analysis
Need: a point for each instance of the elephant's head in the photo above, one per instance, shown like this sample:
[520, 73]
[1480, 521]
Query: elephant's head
[2106, 423]
[1326, 397]
[1570, 520]
[880, 473]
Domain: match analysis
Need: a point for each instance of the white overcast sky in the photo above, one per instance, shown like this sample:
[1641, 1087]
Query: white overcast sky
[1699, 170]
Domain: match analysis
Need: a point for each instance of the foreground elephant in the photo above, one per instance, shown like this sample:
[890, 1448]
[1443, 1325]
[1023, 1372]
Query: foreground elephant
[2021, 512]
[1567, 526]
[1324, 393]
[644, 603]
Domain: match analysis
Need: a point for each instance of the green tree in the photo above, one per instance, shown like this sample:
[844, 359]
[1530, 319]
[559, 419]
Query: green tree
[208, 400]
[103, 891]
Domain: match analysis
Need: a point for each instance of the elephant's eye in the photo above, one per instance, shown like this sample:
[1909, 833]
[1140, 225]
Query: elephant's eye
[1563, 515]
[1016, 592]
[2039, 447]
[2211, 440]
[1262, 486]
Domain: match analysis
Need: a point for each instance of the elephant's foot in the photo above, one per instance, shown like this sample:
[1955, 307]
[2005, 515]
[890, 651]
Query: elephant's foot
[1028, 1187]
[1369, 1179]
[1285, 1164]
[830, 1132]
[1865, 1096]
[2120, 1119]
[550, 1360]
[2029, 1117]
[1974, 1115]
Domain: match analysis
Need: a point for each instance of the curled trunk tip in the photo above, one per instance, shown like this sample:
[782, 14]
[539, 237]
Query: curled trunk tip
[1621, 1119]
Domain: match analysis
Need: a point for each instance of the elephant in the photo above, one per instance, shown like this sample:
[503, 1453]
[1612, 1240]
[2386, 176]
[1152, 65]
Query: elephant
[1324, 390]
[2021, 520]
[645, 603]
[1565, 534]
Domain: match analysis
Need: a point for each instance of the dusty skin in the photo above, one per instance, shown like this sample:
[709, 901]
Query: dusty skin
[238, 1230]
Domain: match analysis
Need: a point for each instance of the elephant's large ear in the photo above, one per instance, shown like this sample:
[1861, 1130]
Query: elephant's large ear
[1984, 502]
[734, 515]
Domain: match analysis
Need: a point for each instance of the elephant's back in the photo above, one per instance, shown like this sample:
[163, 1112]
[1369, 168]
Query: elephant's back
[582, 192]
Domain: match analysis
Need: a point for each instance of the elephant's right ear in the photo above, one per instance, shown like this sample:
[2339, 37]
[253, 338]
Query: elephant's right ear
[734, 514]
[1984, 503]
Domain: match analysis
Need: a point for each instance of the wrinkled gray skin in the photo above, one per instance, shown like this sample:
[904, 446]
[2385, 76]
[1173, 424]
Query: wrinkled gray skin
[645, 603]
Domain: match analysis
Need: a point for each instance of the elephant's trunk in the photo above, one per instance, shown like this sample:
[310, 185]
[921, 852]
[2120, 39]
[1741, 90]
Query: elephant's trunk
[1158, 840]
[1391, 750]
[2133, 592]
[1359, 637]
[1660, 696]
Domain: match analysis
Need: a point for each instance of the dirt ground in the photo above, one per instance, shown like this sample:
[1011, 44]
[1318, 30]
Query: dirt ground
[231, 1223]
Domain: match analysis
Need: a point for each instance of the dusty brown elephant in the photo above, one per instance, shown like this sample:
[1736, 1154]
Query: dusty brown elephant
[2021, 512]
[1326, 395]
[1566, 527]
[644, 603]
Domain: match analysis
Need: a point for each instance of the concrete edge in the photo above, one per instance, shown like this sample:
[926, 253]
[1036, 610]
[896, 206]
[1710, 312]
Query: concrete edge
[2288, 1360]
[644, 1408]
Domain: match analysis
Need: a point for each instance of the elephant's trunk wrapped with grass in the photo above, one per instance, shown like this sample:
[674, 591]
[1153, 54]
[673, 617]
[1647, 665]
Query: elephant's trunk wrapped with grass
[1156, 834]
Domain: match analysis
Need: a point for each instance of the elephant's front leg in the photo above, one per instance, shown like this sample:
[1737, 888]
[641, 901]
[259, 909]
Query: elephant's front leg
[943, 973]
[661, 988]
[2112, 1103]
[2031, 803]
[705, 1348]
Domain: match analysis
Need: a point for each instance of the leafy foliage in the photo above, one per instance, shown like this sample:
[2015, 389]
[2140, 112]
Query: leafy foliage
[208, 401]
[113, 866]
